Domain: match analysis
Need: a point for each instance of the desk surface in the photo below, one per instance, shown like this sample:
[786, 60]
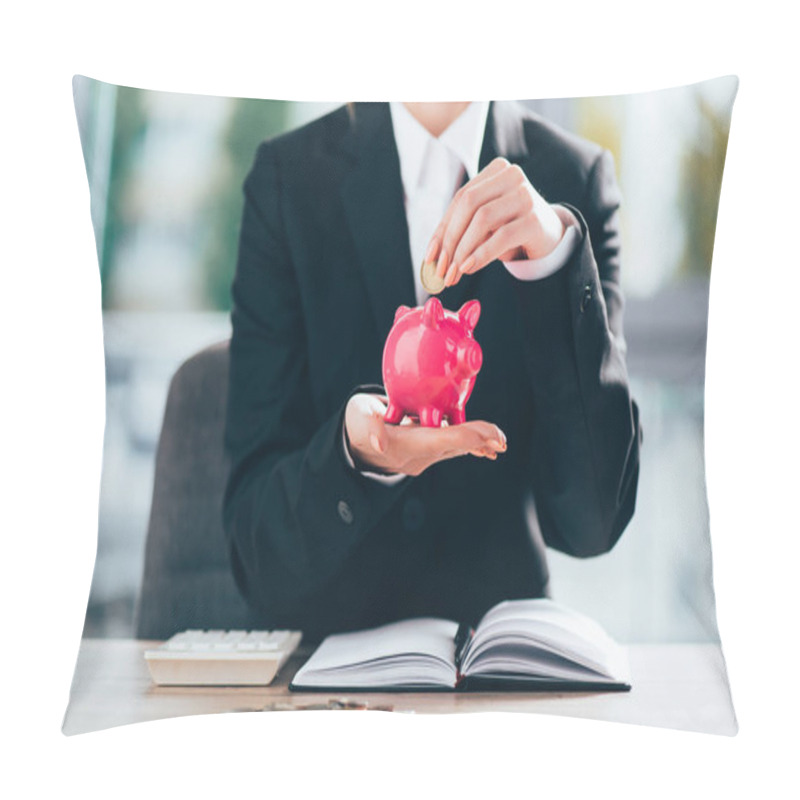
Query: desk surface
[681, 686]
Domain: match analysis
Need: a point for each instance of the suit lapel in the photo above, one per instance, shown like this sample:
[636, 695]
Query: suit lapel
[372, 195]
[373, 201]
[504, 135]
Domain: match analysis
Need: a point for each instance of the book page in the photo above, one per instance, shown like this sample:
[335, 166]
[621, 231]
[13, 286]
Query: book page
[411, 652]
[536, 630]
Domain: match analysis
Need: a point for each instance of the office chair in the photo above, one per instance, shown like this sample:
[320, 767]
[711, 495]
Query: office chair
[187, 580]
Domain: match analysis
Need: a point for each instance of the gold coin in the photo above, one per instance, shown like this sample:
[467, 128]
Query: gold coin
[431, 282]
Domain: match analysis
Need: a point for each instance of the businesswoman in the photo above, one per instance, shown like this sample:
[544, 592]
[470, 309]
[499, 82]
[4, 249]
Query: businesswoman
[337, 520]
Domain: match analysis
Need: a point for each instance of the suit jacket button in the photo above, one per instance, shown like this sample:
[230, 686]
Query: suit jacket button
[587, 296]
[345, 512]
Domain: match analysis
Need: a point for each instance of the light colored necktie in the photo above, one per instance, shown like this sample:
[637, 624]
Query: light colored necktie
[439, 177]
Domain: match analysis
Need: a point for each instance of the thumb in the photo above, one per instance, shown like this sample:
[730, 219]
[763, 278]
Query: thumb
[376, 432]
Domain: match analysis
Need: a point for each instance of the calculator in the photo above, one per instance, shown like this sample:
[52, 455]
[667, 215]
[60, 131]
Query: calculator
[221, 657]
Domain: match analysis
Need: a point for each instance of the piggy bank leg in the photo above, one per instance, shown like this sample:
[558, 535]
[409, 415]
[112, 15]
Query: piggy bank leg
[456, 416]
[394, 414]
[430, 417]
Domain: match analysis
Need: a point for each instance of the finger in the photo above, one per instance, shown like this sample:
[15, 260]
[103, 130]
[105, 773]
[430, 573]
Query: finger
[366, 403]
[366, 430]
[479, 452]
[459, 213]
[475, 435]
[490, 448]
[483, 453]
[495, 166]
[509, 237]
[376, 434]
[419, 443]
[467, 206]
[486, 429]
[493, 436]
[432, 253]
[357, 411]
[416, 461]
[487, 219]
[435, 251]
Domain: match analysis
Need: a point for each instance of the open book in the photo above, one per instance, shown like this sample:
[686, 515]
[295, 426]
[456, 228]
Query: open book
[519, 644]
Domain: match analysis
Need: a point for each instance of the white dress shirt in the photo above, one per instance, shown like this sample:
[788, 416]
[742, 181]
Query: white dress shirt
[432, 169]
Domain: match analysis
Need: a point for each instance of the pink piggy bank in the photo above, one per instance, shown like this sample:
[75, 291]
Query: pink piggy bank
[430, 362]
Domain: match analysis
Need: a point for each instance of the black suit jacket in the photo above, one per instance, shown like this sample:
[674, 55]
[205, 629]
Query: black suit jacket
[324, 261]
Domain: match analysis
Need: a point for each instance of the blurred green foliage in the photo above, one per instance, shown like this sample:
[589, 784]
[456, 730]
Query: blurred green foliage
[599, 120]
[701, 181]
[251, 122]
[130, 124]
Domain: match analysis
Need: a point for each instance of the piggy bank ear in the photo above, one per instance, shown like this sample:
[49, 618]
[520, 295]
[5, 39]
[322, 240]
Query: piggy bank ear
[433, 313]
[469, 314]
[401, 312]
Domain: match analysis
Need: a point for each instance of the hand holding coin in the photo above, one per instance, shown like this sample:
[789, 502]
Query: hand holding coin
[496, 215]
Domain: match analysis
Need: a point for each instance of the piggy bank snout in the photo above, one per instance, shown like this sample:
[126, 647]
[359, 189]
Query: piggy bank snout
[470, 357]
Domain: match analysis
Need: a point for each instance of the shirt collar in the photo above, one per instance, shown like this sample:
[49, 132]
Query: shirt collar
[463, 137]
